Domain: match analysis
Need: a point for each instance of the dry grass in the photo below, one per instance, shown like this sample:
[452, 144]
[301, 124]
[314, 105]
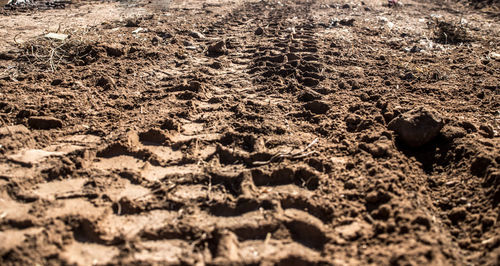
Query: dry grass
[49, 54]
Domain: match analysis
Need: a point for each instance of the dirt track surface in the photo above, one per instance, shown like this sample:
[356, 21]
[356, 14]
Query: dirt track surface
[250, 133]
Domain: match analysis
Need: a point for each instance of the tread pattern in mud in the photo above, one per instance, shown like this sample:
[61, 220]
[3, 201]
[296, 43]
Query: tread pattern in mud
[257, 137]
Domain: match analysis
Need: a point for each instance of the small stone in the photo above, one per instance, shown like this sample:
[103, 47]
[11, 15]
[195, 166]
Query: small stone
[317, 107]
[417, 126]
[44, 122]
[259, 31]
[217, 48]
[457, 214]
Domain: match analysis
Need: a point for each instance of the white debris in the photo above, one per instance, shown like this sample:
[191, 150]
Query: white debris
[139, 30]
[385, 21]
[494, 55]
[56, 36]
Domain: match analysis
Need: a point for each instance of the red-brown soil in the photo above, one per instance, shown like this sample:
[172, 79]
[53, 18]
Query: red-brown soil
[250, 133]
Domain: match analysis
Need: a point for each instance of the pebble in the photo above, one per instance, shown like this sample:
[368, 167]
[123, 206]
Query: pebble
[417, 127]
[259, 31]
[44, 122]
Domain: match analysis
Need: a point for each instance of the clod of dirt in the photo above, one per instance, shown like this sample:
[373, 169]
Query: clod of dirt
[308, 96]
[228, 245]
[480, 164]
[44, 122]
[457, 214]
[451, 132]
[217, 48]
[317, 107]
[486, 131]
[216, 65]
[352, 121]
[12, 130]
[25, 113]
[417, 126]
[114, 50]
[170, 124]
[132, 23]
[347, 22]
[259, 31]
[383, 212]
[7, 56]
[377, 197]
[378, 149]
[154, 135]
[106, 83]
[351, 231]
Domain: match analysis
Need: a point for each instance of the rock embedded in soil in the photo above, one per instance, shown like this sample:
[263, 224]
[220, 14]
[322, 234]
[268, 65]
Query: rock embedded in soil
[44, 122]
[417, 127]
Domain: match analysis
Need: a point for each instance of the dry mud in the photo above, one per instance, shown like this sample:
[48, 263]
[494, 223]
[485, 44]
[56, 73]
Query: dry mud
[250, 133]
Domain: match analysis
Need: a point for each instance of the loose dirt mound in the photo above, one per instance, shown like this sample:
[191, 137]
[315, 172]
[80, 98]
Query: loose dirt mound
[253, 133]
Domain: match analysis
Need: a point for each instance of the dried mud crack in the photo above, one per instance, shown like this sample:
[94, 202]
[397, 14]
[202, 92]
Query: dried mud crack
[252, 133]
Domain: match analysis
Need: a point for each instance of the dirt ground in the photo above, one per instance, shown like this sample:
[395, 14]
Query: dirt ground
[291, 132]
